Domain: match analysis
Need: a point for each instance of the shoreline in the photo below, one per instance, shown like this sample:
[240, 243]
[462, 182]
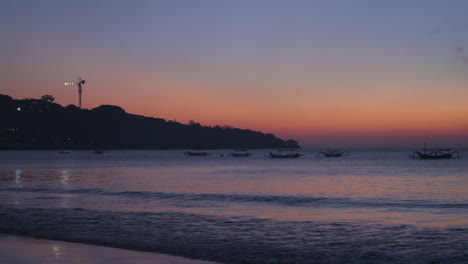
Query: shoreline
[27, 250]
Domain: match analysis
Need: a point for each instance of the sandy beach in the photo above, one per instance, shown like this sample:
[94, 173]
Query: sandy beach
[24, 250]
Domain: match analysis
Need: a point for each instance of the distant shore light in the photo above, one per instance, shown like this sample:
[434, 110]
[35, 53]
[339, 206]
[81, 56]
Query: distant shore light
[19, 108]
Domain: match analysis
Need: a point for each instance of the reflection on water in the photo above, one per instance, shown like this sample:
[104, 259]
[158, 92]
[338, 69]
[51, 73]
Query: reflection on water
[56, 251]
[18, 179]
[65, 199]
[18, 184]
[65, 177]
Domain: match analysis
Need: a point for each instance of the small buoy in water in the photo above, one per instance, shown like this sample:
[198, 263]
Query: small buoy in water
[222, 155]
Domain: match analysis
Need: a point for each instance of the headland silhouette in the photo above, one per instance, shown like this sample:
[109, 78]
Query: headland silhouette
[44, 124]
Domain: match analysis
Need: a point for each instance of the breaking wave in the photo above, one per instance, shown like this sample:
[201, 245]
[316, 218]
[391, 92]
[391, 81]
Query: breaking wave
[300, 201]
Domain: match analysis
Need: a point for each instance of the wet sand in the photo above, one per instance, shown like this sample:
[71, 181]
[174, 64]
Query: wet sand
[24, 250]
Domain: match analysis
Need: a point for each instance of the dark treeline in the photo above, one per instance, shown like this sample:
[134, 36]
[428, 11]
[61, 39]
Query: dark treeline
[43, 124]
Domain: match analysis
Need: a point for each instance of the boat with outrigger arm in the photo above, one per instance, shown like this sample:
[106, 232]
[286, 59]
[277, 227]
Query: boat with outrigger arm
[240, 153]
[197, 154]
[332, 153]
[434, 154]
[292, 154]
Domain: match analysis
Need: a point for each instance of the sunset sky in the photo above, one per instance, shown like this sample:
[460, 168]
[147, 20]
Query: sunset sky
[363, 73]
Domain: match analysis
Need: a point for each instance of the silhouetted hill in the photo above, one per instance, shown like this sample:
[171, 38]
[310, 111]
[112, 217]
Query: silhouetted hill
[43, 124]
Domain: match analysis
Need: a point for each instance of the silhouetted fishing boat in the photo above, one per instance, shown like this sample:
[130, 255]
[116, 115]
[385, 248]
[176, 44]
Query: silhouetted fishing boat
[431, 154]
[197, 154]
[240, 153]
[332, 153]
[98, 152]
[64, 152]
[291, 155]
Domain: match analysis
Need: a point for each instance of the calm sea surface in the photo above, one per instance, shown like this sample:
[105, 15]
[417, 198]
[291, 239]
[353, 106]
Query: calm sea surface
[375, 206]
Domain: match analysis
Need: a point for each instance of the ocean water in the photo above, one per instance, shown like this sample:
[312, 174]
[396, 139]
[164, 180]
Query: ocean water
[375, 206]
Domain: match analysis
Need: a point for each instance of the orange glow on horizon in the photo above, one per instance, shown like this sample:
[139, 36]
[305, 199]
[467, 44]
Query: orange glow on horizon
[265, 105]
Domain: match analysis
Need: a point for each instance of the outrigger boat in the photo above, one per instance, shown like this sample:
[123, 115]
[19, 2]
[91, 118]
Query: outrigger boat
[332, 153]
[240, 153]
[197, 154]
[429, 154]
[291, 155]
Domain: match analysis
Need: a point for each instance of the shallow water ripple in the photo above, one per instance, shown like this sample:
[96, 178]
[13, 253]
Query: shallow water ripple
[239, 239]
